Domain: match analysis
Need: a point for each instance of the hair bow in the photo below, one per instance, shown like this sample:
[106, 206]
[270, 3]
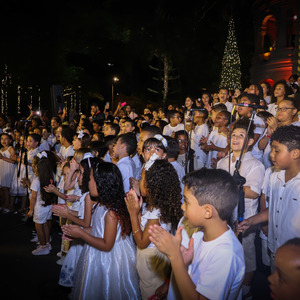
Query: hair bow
[162, 139]
[88, 155]
[42, 154]
[150, 162]
[80, 134]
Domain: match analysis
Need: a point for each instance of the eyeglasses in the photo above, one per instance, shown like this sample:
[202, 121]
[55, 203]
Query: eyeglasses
[283, 108]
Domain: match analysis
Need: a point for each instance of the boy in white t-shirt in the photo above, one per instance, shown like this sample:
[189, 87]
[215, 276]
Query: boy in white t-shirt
[213, 265]
[253, 171]
[174, 125]
[124, 146]
[283, 213]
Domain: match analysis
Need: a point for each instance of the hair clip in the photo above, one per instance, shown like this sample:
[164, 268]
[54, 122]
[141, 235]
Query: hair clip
[42, 154]
[162, 139]
[150, 162]
[80, 134]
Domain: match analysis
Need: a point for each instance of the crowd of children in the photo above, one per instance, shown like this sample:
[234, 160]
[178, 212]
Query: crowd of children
[166, 204]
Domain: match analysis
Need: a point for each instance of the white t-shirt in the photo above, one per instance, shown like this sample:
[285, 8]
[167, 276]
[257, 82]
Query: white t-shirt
[254, 172]
[66, 152]
[168, 129]
[127, 169]
[220, 140]
[284, 209]
[152, 215]
[180, 172]
[229, 106]
[196, 135]
[138, 166]
[259, 129]
[217, 269]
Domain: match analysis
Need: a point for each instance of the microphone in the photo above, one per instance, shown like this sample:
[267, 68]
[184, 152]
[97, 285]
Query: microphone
[254, 106]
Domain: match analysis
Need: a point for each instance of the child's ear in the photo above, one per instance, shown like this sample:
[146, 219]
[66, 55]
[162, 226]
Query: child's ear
[164, 155]
[250, 142]
[208, 213]
[295, 153]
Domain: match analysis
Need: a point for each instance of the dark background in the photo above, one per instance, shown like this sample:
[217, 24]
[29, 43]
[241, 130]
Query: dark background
[86, 43]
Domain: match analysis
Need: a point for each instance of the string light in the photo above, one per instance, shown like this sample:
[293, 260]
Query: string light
[19, 100]
[79, 98]
[231, 63]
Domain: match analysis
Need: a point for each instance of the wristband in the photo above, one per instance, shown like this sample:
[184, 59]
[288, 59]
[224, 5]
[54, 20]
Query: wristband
[268, 136]
[209, 116]
[66, 197]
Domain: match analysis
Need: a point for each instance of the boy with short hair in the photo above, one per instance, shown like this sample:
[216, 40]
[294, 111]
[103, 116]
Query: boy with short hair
[283, 212]
[213, 265]
[201, 130]
[246, 112]
[224, 98]
[66, 140]
[284, 282]
[124, 146]
[253, 171]
[217, 140]
[172, 154]
[111, 129]
[162, 115]
[174, 125]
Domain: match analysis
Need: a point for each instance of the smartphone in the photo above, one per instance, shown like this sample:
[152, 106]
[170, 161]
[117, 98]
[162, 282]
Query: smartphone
[123, 104]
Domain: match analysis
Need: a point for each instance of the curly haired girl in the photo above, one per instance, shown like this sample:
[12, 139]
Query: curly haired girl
[106, 267]
[162, 192]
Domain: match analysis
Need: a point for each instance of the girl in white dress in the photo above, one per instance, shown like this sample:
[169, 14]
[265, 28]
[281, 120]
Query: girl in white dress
[106, 268]
[24, 169]
[161, 190]
[7, 167]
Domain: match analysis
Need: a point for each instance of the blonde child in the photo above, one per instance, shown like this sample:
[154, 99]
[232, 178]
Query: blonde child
[7, 168]
[161, 191]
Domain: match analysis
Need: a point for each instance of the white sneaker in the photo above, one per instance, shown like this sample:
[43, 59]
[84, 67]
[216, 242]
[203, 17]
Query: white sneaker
[61, 261]
[34, 239]
[49, 245]
[41, 250]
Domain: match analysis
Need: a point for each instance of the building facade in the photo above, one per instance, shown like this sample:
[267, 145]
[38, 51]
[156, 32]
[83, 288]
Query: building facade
[277, 40]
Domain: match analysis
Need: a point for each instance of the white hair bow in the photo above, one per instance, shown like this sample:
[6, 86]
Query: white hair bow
[42, 154]
[162, 139]
[87, 155]
[80, 134]
[150, 162]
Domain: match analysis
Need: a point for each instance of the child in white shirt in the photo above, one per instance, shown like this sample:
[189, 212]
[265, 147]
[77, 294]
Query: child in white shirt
[213, 264]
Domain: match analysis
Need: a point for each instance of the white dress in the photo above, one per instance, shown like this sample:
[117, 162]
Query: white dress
[66, 277]
[6, 169]
[107, 274]
[16, 188]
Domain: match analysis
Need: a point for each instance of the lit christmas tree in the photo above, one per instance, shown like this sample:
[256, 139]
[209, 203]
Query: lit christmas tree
[231, 63]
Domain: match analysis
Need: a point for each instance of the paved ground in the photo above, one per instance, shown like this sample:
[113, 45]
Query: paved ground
[35, 277]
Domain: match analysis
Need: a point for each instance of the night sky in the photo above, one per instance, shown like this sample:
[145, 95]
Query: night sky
[86, 43]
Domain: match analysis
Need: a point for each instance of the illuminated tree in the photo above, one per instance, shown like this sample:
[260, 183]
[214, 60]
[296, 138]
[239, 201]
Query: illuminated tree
[231, 63]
